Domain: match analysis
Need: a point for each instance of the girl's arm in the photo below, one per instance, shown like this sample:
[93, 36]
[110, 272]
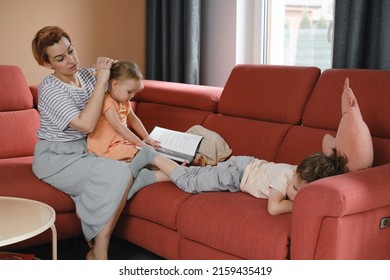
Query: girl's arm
[135, 123]
[278, 204]
[86, 121]
[113, 118]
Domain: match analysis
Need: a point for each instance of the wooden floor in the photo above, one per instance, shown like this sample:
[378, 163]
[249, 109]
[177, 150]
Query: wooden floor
[77, 248]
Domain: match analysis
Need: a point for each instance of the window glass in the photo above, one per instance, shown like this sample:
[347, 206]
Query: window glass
[300, 32]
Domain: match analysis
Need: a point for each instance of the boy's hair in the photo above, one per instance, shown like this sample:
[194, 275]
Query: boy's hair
[319, 165]
[121, 70]
[46, 37]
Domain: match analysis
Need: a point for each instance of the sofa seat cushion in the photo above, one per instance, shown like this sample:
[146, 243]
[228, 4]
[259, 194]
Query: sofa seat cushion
[18, 180]
[158, 203]
[235, 223]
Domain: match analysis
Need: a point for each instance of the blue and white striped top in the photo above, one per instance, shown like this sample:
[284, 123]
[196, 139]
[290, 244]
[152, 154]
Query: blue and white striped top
[59, 103]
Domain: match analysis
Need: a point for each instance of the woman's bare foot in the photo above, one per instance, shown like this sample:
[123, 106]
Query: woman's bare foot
[92, 256]
[91, 243]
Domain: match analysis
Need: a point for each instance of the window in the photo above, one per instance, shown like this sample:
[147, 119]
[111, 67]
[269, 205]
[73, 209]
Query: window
[300, 32]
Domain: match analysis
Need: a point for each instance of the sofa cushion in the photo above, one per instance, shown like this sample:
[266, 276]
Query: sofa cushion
[180, 95]
[171, 117]
[371, 88]
[268, 92]
[18, 180]
[235, 223]
[158, 203]
[249, 137]
[14, 91]
[300, 142]
[18, 132]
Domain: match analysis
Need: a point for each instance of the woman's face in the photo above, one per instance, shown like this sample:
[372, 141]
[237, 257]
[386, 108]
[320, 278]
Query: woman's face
[63, 58]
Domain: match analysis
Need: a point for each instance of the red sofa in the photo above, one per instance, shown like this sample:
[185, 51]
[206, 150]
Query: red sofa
[278, 113]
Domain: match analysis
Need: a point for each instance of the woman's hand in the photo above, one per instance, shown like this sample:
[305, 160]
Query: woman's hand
[102, 68]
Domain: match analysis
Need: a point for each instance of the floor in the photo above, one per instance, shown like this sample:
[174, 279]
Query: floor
[77, 248]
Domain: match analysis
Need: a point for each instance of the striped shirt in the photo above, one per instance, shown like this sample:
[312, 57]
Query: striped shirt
[59, 103]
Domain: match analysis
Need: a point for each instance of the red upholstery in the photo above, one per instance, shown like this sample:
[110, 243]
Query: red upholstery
[17, 179]
[19, 121]
[278, 113]
[197, 97]
[163, 196]
[344, 212]
[268, 93]
[247, 137]
[222, 221]
[14, 92]
[371, 88]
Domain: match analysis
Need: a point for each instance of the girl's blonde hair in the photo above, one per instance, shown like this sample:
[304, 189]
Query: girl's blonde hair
[121, 70]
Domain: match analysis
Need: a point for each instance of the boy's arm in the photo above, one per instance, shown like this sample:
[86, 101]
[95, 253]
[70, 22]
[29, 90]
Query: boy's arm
[277, 203]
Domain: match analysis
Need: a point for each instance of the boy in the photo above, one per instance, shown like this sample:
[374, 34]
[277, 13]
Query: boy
[279, 182]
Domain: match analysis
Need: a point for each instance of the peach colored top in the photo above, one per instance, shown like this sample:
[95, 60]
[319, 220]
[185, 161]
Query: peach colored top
[104, 140]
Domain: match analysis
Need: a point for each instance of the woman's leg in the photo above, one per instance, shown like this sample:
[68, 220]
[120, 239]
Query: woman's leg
[99, 248]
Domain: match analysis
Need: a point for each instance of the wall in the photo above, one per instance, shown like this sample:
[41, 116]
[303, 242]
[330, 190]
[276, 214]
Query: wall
[218, 41]
[115, 28]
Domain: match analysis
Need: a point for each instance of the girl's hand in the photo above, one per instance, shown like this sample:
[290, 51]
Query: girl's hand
[141, 144]
[152, 142]
[102, 68]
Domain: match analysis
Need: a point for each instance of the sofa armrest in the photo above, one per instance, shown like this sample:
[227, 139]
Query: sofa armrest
[34, 92]
[323, 207]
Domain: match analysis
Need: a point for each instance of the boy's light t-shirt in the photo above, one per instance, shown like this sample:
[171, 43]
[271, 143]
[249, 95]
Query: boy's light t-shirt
[261, 175]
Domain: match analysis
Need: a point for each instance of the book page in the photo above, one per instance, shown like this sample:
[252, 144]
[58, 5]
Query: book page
[180, 142]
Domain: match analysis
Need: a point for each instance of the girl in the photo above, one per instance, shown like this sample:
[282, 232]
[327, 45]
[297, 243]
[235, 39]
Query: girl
[112, 137]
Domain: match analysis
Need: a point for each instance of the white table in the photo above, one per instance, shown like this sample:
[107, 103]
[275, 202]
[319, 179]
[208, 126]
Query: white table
[21, 219]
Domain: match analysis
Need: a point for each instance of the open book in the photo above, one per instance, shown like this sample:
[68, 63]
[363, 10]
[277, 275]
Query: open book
[176, 145]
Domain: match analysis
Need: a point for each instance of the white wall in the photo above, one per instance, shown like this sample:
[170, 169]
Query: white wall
[218, 41]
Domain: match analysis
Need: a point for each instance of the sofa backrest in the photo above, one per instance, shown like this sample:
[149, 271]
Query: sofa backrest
[175, 105]
[19, 120]
[372, 91]
[323, 112]
[260, 104]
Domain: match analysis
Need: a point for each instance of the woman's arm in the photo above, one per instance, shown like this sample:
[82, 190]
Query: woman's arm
[86, 121]
[278, 204]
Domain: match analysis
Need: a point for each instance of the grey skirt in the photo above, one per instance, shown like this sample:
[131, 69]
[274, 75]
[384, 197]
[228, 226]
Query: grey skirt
[95, 184]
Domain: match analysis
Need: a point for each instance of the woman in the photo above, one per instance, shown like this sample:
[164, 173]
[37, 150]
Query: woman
[70, 103]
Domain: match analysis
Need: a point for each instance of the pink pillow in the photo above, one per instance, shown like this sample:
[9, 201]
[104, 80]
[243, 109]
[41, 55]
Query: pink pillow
[353, 137]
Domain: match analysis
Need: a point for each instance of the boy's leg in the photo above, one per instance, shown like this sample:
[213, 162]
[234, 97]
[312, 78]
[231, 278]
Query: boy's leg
[144, 157]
